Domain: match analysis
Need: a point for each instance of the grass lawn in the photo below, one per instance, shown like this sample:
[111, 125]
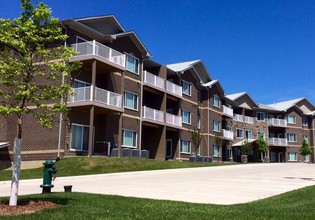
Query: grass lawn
[75, 166]
[297, 204]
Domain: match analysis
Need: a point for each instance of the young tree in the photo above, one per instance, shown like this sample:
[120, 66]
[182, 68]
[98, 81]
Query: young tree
[263, 146]
[305, 148]
[245, 149]
[33, 65]
[196, 139]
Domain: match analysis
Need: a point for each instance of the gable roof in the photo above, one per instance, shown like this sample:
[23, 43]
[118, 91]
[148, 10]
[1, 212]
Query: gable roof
[235, 96]
[212, 83]
[283, 106]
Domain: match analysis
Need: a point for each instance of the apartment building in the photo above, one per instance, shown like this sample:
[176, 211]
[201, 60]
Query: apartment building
[127, 104]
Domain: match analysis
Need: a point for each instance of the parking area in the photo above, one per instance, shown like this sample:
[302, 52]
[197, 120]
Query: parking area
[214, 185]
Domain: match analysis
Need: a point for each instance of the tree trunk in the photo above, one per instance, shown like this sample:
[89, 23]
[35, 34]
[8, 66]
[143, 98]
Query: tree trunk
[16, 165]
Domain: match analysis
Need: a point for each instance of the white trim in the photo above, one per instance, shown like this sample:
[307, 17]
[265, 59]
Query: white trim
[242, 133]
[219, 127]
[138, 63]
[123, 137]
[294, 119]
[294, 154]
[219, 101]
[126, 107]
[294, 136]
[181, 112]
[181, 147]
[248, 130]
[80, 150]
[183, 87]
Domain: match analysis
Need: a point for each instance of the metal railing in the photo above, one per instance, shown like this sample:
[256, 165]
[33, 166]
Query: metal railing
[103, 96]
[277, 122]
[278, 141]
[248, 120]
[153, 80]
[173, 119]
[98, 49]
[173, 88]
[238, 117]
[227, 134]
[152, 114]
[227, 111]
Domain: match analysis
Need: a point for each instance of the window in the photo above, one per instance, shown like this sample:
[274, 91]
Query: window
[248, 134]
[291, 137]
[216, 101]
[186, 88]
[216, 125]
[198, 122]
[306, 158]
[185, 147]
[292, 156]
[131, 101]
[79, 137]
[259, 133]
[291, 119]
[129, 138]
[185, 117]
[199, 96]
[261, 116]
[305, 137]
[216, 151]
[304, 121]
[132, 64]
[239, 133]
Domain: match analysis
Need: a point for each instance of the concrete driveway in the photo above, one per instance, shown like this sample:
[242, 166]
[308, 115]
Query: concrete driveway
[216, 185]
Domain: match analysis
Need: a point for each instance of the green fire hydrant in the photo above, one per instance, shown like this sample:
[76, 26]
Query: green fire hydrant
[49, 170]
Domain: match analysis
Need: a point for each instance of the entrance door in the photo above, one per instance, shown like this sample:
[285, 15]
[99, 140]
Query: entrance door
[280, 157]
[168, 150]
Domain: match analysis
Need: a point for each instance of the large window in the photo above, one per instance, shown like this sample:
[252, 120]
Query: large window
[291, 137]
[304, 121]
[292, 156]
[186, 87]
[216, 125]
[306, 158]
[79, 137]
[132, 64]
[216, 151]
[239, 133]
[260, 133]
[129, 138]
[216, 101]
[248, 134]
[185, 117]
[291, 119]
[185, 147]
[131, 101]
[261, 116]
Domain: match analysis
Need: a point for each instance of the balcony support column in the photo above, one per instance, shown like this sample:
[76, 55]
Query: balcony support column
[91, 121]
[120, 123]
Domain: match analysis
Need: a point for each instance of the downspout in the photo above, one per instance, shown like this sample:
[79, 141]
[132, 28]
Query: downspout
[141, 103]
[208, 113]
[180, 131]
[313, 130]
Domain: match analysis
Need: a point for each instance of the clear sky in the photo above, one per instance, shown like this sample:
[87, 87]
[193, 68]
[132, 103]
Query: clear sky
[263, 47]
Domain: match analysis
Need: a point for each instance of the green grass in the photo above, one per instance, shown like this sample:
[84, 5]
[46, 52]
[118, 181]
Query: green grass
[96, 165]
[297, 204]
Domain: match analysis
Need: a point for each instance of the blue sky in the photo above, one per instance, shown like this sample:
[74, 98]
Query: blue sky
[264, 47]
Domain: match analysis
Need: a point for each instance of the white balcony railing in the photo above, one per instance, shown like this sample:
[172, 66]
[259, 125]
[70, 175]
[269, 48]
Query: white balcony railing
[153, 80]
[98, 49]
[277, 122]
[173, 120]
[248, 120]
[278, 141]
[227, 111]
[173, 88]
[238, 117]
[152, 114]
[227, 134]
[102, 96]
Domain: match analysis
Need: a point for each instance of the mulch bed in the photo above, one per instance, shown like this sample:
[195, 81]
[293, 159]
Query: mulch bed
[25, 207]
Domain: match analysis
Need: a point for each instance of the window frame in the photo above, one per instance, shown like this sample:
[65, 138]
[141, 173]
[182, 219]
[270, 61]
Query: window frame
[123, 138]
[304, 119]
[216, 101]
[293, 117]
[136, 63]
[242, 131]
[189, 87]
[292, 153]
[247, 131]
[82, 137]
[216, 149]
[259, 118]
[218, 124]
[292, 135]
[181, 146]
[135, 95]
[183, 121]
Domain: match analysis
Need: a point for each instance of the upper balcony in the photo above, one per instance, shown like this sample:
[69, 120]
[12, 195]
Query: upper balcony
[242, 118]
[173, 120]
[153, 115]
[95, 50]
[227, 111]
[153, 81]
[277, 122]
[174, 89]
[277, 142]
[83, 96]
[227, 134]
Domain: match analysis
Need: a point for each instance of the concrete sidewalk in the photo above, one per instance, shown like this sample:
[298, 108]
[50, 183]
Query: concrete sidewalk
[216, 185]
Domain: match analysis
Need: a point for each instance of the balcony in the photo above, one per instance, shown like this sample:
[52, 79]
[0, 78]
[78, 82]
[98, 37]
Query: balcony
[174, 89]
[153, 81]
[153, 115]
[102, 98]
[173, 120]
[227, 134]
[277, 122]
[245, 119]
[94, 49]
[248, 120]
[277, 142]
[227, 111]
